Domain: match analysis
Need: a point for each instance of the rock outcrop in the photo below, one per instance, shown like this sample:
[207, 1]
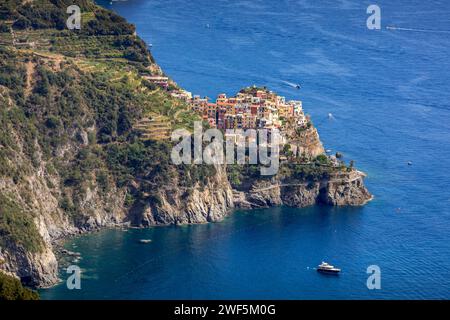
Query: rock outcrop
[307, 142]
[33, 269]
[344, 189]
[198, 204]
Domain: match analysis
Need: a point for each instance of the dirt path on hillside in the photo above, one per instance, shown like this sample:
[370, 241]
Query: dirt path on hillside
[30, 71]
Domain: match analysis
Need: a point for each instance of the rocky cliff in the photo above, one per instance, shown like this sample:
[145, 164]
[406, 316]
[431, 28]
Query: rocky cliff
[196, 204]
[344, 189]
[71, 162]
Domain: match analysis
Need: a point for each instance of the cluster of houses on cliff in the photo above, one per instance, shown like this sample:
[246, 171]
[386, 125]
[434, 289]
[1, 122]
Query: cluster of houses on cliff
[250, 108]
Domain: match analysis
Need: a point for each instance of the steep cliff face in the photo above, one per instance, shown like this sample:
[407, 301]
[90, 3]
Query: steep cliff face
[33, 269]
[39, 194]
[344, 189]
[307, 142]
[199, 204]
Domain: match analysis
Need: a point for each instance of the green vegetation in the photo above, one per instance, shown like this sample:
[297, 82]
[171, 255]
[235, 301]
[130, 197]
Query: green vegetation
[16, 226]
[306, 172]
[322, 159]
[253, 89]
[150, 161]
[12, 289]
[51, 14]
[302, 168]
[68, 102]
[241, 176]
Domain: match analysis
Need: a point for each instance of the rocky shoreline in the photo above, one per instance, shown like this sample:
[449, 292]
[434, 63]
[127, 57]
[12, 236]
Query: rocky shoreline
[211, 204]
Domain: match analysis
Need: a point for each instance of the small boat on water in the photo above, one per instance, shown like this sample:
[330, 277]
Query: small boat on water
[327, 268]
[291, 84]
[145, 241]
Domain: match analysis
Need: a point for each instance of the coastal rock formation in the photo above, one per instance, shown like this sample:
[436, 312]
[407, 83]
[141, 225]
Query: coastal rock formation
[37, 265]
[33, 269]
[339, 190]
[346, 190]
[307, 143]
[198, 204]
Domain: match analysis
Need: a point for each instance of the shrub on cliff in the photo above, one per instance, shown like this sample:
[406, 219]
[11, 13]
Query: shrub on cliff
[322, 159]
[108, 23]
[51, 14]
[12, 289]
[17, 226]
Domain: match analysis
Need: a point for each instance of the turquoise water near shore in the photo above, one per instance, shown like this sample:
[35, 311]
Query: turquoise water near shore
[388, 92]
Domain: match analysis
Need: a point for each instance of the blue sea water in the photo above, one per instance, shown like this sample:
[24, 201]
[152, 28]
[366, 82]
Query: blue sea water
[389, 94]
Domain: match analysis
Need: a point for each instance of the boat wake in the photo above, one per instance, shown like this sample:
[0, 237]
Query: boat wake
[417, 30]
[291, 84]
